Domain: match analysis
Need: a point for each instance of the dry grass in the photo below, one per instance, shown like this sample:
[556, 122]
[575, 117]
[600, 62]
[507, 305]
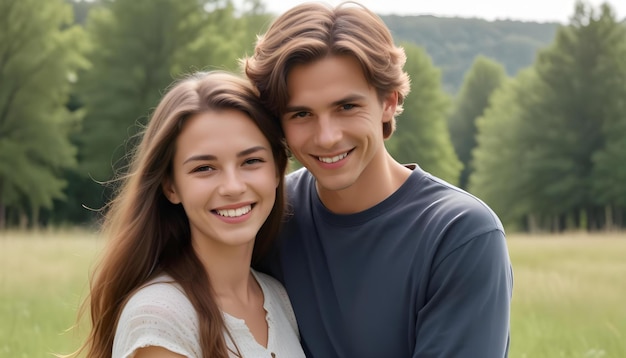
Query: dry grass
[43, 279]
[568, 297]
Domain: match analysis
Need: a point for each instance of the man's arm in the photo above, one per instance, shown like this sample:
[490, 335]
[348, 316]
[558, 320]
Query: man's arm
[468, 310]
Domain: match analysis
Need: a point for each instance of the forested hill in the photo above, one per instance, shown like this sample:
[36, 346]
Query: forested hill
[454, 42]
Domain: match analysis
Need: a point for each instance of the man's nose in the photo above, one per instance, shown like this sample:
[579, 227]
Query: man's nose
[328, 132]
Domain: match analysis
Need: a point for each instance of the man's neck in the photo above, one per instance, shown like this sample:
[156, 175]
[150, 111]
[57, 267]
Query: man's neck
[373, 186]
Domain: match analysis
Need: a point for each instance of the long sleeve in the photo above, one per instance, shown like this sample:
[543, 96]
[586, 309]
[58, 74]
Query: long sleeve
[468, 311]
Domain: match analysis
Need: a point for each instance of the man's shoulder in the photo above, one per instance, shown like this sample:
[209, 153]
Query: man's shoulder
[458, 205]
[298, 176]
[298, 182]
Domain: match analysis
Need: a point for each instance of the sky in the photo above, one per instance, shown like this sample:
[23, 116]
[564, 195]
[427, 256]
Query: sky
[524, 10]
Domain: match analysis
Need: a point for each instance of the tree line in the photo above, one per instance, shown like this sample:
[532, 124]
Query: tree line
[454, 42]
[545, 146]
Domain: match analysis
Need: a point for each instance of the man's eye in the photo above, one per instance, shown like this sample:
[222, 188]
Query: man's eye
[300, 114]
[348, 106]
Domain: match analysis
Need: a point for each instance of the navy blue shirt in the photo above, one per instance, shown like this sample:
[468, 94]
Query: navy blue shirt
[424, 273]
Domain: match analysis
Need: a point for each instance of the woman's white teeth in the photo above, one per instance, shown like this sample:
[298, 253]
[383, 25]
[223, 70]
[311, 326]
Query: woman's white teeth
[332, 159]
[233, 213]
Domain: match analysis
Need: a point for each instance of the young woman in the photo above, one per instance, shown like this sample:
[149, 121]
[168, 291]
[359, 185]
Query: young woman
[203, 198]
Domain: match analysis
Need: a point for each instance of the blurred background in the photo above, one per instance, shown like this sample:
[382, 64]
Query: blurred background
[520, 103]
[529, 116]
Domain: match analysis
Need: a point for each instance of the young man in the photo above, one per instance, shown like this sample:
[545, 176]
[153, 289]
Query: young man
[379, 259]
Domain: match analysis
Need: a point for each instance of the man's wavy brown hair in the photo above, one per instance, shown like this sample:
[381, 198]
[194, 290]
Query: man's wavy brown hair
[312, 31]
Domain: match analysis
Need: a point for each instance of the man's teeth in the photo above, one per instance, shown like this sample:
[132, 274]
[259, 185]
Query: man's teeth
[233, 213]
[332, 159]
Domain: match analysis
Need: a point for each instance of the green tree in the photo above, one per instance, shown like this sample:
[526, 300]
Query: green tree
[454, 43]
[566, 124]
[422, 136]
[608, 177]
[255, 20]
[40, 53]
[500, 177]
[481, 80]
[139, 48]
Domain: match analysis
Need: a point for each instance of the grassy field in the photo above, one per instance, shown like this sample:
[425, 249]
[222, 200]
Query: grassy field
[43, 279]
[569, 296]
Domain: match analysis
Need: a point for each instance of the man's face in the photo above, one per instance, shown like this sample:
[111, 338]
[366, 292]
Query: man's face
[333, 123]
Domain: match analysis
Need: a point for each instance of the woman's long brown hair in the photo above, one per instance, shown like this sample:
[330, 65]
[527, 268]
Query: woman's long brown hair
[147, 235]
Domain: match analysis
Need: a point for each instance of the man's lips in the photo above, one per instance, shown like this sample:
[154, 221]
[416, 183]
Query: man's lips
[333, 159]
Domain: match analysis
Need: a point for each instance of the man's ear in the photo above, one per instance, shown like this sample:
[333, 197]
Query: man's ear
[390, 103]
[169, 190]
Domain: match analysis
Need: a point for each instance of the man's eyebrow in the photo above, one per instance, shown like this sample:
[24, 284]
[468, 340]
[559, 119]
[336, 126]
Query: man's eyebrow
[290, 109]
[243, 153]
[347, 99]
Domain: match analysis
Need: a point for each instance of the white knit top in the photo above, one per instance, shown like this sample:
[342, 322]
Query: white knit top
[160, 314]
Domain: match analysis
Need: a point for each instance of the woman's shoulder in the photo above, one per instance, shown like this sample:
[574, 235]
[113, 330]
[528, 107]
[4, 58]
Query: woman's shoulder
[162, 297]
[157, 314]
[160, 288]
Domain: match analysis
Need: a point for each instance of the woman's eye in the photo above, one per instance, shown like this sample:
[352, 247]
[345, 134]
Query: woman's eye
[204, 168]
[254, 161]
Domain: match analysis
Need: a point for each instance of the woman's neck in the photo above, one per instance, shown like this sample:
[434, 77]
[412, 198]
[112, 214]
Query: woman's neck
[239, 294]
[228, 268]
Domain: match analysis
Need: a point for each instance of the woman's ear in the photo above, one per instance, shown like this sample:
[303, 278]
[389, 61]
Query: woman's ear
[169, 190]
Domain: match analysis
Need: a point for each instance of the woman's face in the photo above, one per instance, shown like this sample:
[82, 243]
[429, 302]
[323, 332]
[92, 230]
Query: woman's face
[225, 177]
